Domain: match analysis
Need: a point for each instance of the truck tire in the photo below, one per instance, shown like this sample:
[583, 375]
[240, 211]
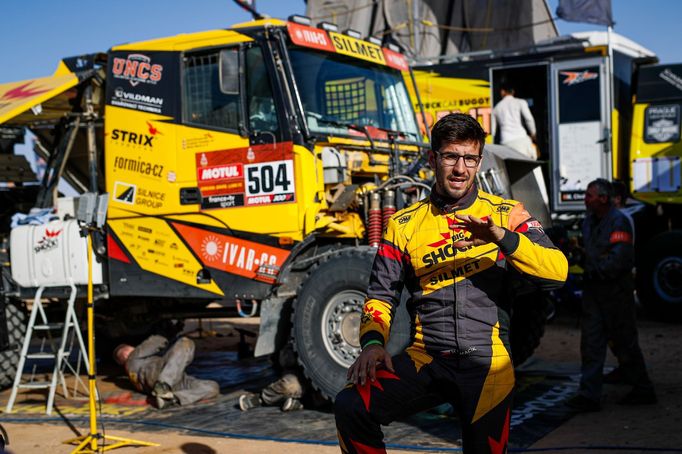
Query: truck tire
[659, 274]
[326, 319]
[528, 320]
[15, 312]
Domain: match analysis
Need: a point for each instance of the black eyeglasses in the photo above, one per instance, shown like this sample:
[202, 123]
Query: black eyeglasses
[451, 159]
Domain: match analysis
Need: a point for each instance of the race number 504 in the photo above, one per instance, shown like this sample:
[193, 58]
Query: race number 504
[276, 177]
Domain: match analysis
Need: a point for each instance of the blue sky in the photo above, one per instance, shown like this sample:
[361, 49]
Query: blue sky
[36, 34]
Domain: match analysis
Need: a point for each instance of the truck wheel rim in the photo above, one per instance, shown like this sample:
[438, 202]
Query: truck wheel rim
[341, 326]
[668, 279]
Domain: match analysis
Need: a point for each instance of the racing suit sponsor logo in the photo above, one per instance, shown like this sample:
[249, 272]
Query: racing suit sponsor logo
[136, 69]
[136, 101]
[404, 219]
[49, 241]
[138, 166]
[445, 249]
[462, 270]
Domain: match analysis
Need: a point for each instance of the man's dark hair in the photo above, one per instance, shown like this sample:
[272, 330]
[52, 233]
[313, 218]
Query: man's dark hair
[457, 128]
[506, 86]
[620, 190]
[603, 186]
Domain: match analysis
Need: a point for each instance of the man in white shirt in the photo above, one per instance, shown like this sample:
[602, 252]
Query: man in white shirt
[510, 115]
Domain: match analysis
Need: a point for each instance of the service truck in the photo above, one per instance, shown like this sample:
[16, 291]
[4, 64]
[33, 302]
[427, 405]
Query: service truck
[602, 108]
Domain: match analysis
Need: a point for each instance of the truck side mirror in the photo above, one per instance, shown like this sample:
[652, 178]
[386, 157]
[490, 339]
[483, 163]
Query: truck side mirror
[229, 71]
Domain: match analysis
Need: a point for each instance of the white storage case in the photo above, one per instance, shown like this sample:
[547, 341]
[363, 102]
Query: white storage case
[52, 254]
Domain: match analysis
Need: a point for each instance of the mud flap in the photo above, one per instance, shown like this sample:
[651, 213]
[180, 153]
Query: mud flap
[270, 320]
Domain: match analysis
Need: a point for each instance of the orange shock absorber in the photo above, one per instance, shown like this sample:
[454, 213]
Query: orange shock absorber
[374, 226]
[388, 208]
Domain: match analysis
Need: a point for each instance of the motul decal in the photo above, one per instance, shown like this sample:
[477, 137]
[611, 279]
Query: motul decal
[49, 241]
[136, 69]
[257, 175]
[231, 254]
[218, 173]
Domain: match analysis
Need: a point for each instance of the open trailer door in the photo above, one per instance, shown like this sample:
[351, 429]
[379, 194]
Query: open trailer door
[581, 150]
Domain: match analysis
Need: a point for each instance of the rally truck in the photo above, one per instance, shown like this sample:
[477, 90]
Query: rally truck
[603, 109]
[253, 166]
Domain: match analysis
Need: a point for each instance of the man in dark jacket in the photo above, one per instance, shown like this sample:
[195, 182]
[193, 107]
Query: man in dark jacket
[157, 368]
[608, 308]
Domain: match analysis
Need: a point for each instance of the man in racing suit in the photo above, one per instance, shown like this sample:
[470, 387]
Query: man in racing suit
[456, 254]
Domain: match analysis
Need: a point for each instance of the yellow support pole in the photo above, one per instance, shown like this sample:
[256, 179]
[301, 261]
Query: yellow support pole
[89, 443]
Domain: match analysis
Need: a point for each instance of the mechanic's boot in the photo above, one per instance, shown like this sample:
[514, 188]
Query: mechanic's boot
[162, 390]
[249, 401]
[583, 404]
[162, 402]
[292, 404]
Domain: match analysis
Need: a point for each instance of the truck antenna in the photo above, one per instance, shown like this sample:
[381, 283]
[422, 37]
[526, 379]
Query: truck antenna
[249, 5]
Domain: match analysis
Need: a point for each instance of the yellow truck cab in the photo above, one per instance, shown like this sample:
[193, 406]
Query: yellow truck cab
[252, 166]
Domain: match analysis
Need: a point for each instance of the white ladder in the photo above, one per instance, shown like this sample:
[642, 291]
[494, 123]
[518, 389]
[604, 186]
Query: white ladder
[60, 356]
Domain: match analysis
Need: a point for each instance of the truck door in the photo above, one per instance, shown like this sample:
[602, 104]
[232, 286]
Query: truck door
[244, 164]
[580, 141]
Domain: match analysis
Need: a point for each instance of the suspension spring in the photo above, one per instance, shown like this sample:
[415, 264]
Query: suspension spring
[374, 226]
[388, 206]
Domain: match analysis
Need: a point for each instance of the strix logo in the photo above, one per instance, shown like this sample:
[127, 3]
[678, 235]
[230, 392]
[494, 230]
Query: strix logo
[134, 138]
[49, 241]
[136, 69]
[574, 77]
[125, 192]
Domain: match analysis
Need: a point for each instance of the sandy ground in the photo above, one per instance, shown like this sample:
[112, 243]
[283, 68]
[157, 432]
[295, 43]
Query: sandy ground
[623, 429]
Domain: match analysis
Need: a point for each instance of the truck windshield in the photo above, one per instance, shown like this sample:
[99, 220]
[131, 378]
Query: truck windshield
[335, 90]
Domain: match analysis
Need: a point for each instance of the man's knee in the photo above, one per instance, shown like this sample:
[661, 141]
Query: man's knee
[212, 388]
[186, 344]
[348, 405]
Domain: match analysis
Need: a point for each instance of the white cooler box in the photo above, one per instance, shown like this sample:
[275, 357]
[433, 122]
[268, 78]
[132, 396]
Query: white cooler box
[52, 254]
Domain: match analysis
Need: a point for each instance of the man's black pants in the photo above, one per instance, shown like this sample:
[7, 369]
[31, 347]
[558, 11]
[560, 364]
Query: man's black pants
[478, 387]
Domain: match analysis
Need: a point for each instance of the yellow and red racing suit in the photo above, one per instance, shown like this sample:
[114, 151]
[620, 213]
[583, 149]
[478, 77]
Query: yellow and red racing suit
[458, 296]
[459, 307]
